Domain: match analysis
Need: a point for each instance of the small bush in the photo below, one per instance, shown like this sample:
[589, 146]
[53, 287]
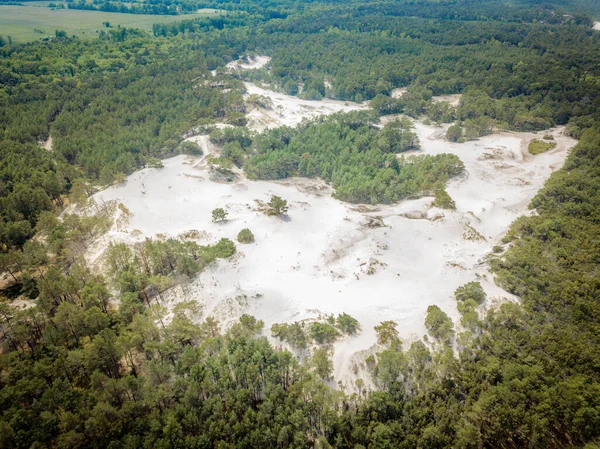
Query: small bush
[245, 236]
[224, 248]
[291, 333]
[454, 133]
[443, 200]
[188, 147]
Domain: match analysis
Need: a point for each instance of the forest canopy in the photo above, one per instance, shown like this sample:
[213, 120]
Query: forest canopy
[99, 361]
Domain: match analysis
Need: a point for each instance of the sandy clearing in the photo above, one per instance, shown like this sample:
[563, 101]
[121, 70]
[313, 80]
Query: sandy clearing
[597, 25]
[454, 99]
[46, 145]
[249, 63]
[397, 93]
[318, 261]
[288, 110]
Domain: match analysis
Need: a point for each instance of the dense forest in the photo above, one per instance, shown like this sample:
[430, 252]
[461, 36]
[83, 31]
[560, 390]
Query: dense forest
[88, 367]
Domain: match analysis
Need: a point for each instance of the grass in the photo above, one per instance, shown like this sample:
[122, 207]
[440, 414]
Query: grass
[19, 22]
[538, 146]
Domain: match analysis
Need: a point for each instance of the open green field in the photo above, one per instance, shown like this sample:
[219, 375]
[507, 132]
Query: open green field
[19, 22]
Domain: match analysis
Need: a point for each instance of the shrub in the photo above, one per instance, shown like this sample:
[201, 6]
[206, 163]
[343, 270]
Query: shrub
[386, 332]
[454, 133]
[224, 248]
[292, 333]
[443, 200]
[245, 236]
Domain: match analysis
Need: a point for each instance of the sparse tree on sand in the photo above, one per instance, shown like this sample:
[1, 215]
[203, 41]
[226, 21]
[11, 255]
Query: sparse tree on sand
[219, 214]
[277, 206]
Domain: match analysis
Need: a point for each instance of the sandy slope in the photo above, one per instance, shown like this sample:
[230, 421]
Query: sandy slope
[252, 62]
[288, 110]
[318, 261]
[454, 99]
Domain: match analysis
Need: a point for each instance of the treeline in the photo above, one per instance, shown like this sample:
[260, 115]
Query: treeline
[80, 369]
[132, 8]
[537, 73]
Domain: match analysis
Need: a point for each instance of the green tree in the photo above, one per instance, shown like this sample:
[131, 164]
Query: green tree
[277, 206]
[322, 364]
[443, 200]
[347, 324]
[386, 332]
[471, 290]
[454, 133]
[219, 214]
[439, 325]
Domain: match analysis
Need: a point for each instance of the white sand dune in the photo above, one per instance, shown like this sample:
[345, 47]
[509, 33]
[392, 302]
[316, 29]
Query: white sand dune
[318, 261]
[374, 262]
[288, 110]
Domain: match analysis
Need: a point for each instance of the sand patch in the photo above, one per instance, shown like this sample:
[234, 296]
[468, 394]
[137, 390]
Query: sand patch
[288, 110]
[249, 63]
[454, 99]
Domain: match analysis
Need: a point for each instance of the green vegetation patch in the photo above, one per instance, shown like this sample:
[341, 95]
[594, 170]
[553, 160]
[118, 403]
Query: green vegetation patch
[470, 291]
[537, 146]
[439, 325]
[245, 236]
[355, 156]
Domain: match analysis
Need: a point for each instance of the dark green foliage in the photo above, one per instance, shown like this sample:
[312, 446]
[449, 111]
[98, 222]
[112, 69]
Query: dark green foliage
[294, 334]
[323, 332]
[323, 366]
[347, 324]
[387, 332]
[472, 290]
[188, 147]
[277, 206]
[75, 373]
[454, 133]
[219, 214]
[30, 183]
[133, 268]
[357, 158]
[439, 325]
